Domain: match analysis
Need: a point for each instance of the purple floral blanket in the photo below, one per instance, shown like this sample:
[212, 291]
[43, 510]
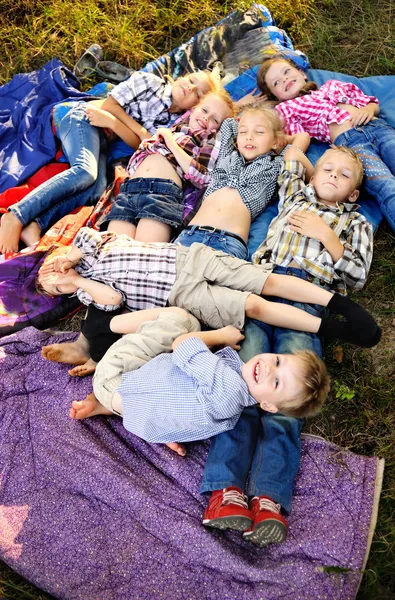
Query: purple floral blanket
[89, 511]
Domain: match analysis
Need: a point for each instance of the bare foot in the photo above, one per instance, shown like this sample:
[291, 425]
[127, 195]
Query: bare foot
[10, 233]
[176, 447]
[31, 234]
[72, 353]
[83, 370]
[90, 407]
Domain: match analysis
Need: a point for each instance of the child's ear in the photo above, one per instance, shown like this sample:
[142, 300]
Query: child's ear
[268, 407]
[353, 196]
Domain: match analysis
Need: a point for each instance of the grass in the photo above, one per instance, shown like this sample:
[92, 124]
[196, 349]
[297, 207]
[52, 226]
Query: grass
[353, 37]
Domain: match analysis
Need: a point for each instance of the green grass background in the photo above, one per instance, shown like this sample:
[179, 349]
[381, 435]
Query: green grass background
[356, 37]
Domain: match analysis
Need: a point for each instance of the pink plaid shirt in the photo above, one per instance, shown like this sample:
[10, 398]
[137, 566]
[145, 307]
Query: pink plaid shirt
[315, 111]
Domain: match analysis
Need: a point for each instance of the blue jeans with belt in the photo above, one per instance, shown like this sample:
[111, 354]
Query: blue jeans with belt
[266, 445]
[375, 143]
[217, 239]
[82, 144]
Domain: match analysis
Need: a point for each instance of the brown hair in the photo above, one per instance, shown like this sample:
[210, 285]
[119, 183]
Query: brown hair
[265, 66]
[316, 383]
[352, 154]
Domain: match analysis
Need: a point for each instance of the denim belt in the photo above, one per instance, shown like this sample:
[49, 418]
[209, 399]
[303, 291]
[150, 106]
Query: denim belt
[210, 229]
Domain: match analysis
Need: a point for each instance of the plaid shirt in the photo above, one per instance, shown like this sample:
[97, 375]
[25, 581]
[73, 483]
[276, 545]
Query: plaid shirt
[351, 270]
[202, 146]
[143, 273]
[256, 181]
[187, 395]
[315, 111]
[147, 99]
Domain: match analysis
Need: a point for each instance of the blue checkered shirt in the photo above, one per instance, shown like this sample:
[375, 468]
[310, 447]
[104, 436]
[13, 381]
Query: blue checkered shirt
[146, 98]
[190, 394]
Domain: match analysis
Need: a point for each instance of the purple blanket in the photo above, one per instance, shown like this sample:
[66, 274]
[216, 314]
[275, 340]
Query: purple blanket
[89, 511]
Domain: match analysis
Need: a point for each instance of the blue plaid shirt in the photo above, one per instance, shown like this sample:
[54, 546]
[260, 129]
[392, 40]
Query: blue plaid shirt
[190, 394]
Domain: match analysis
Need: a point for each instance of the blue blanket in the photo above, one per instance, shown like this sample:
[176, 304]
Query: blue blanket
[26, 139]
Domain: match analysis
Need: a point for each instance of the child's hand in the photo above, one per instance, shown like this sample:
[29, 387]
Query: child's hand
[361, 116]
[232, 337]
[165, 134]
[100, 118]
[253, 99]
[58, 264]
[308, 224]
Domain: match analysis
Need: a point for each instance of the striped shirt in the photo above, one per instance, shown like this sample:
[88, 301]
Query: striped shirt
[202, 146]
[256, 181]
[147, 99]
[143, 273]
[283, 245]
[190, 394]
[314, 112]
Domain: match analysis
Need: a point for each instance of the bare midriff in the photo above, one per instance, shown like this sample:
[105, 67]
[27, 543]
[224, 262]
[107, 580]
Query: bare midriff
[336, 129]
[224, 209]
[157, 166]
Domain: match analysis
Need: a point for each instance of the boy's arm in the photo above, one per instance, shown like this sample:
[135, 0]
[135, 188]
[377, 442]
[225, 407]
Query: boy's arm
[314, 226]
[101, 294]
[226, 336]
[297, 152]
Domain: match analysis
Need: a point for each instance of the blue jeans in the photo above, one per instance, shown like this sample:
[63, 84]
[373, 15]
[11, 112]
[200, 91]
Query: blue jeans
[375, 143]
[81, 145]
[219, 240]
[264, 444]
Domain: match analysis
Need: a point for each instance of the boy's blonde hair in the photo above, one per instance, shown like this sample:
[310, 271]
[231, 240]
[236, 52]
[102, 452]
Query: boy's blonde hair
[271, 115]
[316, 383]
[265, 66]
[353, 155]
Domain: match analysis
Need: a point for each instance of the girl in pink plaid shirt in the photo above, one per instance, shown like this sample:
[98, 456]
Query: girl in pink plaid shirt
[339, 113]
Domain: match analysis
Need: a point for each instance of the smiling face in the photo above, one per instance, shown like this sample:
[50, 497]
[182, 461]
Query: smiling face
[335, 178]
[284, 80]
[273, 379]
[187, 91]
[209, 114]
[256, 135]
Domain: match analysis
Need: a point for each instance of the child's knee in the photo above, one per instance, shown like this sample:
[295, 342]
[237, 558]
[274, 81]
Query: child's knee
[254, 306]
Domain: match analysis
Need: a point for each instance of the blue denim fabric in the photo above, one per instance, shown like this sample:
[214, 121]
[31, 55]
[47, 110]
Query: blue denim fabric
[81, 144]
[375, 142]
[148, 198]
[266, 445]
[217, 240]
[87, 197]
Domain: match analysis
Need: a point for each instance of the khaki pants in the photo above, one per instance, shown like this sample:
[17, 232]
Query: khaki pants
[133, 350]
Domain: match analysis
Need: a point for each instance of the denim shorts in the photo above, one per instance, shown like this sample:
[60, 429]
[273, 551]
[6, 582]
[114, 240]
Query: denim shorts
[218, 239]
[145, 198]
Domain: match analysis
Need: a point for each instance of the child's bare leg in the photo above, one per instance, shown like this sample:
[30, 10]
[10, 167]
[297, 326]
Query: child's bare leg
[298, 290]
[149, 230]
[281, 315]
[130, 322]
[83, 370]
[31, 234]
[90, 407]
[176, 447]
[121, 227]
[72, 353]
[10, 233]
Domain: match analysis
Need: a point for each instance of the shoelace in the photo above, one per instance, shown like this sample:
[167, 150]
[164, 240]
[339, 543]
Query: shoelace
[235, 497]
[266, 504]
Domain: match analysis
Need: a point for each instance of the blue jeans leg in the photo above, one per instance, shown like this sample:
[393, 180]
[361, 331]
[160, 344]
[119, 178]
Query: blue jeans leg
[375, 143]
[85, 198]
[81, 144]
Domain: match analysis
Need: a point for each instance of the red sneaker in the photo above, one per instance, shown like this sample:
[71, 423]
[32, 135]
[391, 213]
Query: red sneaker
[269, 527]
[228, 509]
